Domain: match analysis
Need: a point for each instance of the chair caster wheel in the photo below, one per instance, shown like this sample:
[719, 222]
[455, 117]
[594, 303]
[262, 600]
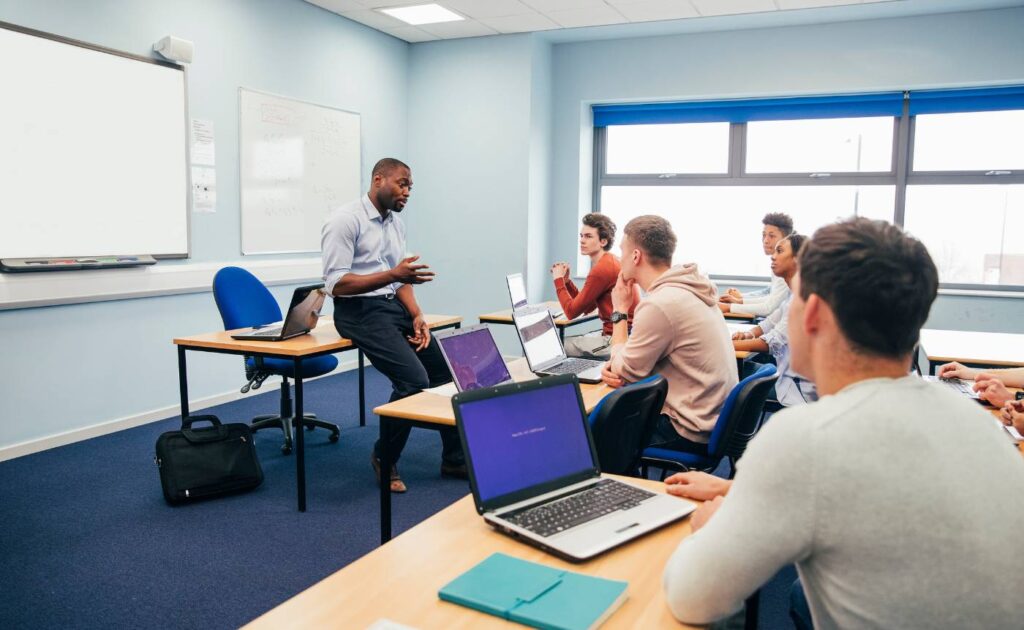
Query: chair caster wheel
[287, 449]
[334, 437]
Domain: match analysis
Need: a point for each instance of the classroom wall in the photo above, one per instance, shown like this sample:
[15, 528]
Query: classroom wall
[913, 52]
[75, 366]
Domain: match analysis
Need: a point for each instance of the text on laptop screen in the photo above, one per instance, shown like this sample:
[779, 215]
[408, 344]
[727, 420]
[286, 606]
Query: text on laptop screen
[525, 438]
[517, 290]
[540, 338]
[475, 360]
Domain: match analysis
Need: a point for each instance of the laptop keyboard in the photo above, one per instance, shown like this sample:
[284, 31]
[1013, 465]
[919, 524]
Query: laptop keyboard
[573, 366]
[604, 497]
[270, 332]
[964, 387]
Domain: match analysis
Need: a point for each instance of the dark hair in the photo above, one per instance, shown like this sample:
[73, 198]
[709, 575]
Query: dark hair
[654, 236]
[605, 227]
[386, 165]
[780, 220]
[879, 282]
[796, 243]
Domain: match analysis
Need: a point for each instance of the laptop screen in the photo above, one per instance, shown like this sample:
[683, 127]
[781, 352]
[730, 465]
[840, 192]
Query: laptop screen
[474, 359]
[304, 311]
[516, 290]
[539, 336]
[525, 438]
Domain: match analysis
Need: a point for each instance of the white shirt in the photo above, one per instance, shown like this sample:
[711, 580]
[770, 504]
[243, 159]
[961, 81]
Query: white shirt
[355, 239]
[763, 306]
[790, 388]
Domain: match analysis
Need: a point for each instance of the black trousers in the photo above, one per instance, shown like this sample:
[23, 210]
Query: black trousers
[379, 327]
[666, 436]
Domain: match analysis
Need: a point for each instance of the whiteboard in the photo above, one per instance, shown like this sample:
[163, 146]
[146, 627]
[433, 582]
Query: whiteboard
[93, 156]
[298, 162]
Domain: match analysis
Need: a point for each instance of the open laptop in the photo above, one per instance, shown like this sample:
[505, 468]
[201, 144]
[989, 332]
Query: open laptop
[472, 357]
[544, 350]
[302, 317]
[534, 473]
[961, 386]
[517, 293]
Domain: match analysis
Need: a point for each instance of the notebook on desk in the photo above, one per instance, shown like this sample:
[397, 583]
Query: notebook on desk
[303, 316]
[534, 473]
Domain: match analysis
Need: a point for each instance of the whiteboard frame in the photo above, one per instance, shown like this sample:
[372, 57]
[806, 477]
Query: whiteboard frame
[241, 211]
[156, 62]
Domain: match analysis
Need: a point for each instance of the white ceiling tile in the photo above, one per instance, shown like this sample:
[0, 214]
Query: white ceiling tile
[411, 34]
[595, 16]
[374, 19]
[520, 23]
[546, 6]
[786, 5]
[338, 6]
[726, 7]
[466, 28]
[381, 4]
[656, 10]
[486, 8]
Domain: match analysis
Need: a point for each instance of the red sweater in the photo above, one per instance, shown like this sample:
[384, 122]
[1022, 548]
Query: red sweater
[596, 293]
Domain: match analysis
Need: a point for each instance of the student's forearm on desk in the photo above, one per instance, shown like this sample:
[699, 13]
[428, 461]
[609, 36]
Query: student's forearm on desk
[750, 345]
[356, 284]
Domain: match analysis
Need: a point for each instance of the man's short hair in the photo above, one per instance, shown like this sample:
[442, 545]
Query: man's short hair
[385, 166]
[654, 236]
[879, 282]
[780, 220]
[605, 227]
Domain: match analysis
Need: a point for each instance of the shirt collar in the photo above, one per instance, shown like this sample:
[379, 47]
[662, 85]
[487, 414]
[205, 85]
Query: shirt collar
[371, 211]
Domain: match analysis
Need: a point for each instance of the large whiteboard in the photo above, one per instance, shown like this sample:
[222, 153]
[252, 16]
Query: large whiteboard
[93, 155]
[298, 162]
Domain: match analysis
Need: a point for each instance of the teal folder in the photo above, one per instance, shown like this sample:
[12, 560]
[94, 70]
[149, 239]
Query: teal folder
[535, 595]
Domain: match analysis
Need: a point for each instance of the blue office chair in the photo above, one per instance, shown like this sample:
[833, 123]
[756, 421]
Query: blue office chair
[738, 421]
[622, 424]
[243, 301]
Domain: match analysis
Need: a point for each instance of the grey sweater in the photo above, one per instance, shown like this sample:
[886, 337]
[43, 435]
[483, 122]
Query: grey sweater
[901, 503]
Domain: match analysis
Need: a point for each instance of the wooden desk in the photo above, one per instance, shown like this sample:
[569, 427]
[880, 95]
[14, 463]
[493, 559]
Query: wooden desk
[324, 339]
[433, 411]
[505, 317]
[399, 581]
[739, 316]
[973, 348]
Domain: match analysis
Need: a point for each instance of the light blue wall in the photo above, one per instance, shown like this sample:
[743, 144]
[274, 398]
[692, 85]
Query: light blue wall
[914, 52]
[76, 366]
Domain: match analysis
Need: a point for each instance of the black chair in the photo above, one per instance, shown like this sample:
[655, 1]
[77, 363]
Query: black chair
[622, 424]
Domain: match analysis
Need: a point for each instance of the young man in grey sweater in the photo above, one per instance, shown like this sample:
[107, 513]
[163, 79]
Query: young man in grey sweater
[898, 500]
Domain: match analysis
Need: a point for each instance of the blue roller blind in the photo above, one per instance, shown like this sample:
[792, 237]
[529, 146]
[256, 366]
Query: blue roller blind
[848, 106]
[972, 100]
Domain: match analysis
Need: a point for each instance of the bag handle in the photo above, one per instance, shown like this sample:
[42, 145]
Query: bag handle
[214, 433]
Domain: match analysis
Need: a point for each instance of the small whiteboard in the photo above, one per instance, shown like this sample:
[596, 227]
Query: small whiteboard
[298, 162]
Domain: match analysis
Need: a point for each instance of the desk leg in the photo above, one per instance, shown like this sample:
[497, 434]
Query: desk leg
[300, 439]
[385, 479]
[362, 390]
[183, 383]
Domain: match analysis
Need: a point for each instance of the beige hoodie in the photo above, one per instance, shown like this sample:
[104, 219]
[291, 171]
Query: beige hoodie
[679, 332]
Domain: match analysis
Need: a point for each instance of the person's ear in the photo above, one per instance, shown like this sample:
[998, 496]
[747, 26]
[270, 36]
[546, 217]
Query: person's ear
[814, 312]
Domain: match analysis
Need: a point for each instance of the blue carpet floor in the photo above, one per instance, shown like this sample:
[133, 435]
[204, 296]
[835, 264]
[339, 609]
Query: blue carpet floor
[88, 542]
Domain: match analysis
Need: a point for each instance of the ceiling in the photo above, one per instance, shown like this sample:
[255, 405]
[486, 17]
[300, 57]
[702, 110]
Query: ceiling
[492, 17]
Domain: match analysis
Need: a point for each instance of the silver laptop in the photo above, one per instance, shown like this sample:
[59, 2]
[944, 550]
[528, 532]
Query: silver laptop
[965, 388]
[534, 473]
[303, 314]
[473, 357]
[517, 293]
[544, 350]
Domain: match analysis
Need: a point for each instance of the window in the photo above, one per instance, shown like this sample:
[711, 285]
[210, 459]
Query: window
[829, 145]
[684, 148]
[969, 141]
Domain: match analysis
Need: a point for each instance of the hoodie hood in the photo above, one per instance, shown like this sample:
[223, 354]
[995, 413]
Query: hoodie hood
[688, 278]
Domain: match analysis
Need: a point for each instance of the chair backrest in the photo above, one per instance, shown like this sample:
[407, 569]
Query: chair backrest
[739, 417]
[243, 300]
[623, 422]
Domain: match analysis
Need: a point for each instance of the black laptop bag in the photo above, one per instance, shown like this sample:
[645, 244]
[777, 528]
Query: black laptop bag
[208, 462]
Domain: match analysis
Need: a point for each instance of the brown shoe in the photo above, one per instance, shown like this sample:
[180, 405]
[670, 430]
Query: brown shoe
[397, 485]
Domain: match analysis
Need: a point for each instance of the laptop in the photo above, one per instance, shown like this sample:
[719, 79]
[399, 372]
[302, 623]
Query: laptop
[534, 473]
[965, 388]
[517, 293]
[544, 350]
[302, 317]
[472, 357]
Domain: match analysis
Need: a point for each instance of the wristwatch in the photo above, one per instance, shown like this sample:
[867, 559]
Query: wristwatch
[618, 317]
[1019, 396]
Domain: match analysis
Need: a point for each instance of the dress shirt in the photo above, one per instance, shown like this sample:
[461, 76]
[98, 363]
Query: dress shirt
[355, 239]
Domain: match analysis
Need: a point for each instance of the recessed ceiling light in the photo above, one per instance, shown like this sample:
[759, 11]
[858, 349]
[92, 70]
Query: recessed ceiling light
[422, 14]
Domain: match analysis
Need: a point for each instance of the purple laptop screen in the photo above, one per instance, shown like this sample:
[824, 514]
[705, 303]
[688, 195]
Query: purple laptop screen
[526, 438]
[475, 360]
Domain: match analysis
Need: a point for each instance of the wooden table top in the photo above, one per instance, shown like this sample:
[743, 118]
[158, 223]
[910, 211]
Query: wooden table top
[505, 316]
[741, 316]
[322, 338]
[399, 581]
[998, 349]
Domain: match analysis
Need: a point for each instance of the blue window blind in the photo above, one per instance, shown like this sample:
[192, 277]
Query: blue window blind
[972, 100]
[849, 106]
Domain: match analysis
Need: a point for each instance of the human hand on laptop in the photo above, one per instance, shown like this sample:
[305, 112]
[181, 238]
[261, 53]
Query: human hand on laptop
[957, 370]
[699, 486]
[992, 389]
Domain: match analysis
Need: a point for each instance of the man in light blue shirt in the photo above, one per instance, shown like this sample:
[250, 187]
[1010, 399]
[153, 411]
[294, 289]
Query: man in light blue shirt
[371, 278]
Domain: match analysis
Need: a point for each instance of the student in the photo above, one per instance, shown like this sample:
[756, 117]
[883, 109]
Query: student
[771, 336]
[366, 271]
[776, 226]
[677, 333]
[990, 384]
[596, 237]
[889, 494]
